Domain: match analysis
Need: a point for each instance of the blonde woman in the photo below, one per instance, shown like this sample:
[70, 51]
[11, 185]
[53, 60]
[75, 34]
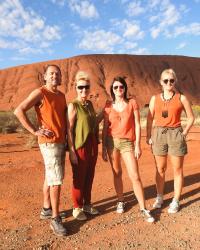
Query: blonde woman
[168, 138]
[83, 147]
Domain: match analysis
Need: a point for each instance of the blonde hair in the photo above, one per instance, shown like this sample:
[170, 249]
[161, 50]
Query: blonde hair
[169, 71]
[82, 76]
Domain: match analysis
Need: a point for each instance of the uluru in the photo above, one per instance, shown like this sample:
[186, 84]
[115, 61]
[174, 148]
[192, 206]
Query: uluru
[142, 74]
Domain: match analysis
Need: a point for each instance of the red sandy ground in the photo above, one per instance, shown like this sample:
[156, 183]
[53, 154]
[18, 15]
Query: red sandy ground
[21, 178]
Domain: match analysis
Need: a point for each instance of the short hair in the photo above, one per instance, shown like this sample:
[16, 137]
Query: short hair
[51, 65]
[82, 76]
[123, 82]
[169, 71]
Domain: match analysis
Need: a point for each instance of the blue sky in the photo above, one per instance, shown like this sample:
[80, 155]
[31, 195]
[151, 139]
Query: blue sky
[40, 30]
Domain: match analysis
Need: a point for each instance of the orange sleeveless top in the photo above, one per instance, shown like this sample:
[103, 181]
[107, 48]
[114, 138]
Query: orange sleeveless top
[121, 124]
[51, 114]
[173, 107]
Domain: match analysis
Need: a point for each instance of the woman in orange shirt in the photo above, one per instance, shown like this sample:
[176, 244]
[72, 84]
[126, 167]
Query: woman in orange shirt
[121, 138]
[168, 136]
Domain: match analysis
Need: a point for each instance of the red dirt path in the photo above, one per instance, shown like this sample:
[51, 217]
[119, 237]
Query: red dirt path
[21, 178]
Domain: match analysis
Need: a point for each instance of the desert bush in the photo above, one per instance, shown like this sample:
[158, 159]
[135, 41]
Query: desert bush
[10, 124]
[31, 141]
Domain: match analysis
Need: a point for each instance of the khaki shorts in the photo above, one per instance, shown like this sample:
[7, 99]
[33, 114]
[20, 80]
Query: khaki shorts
[54, 161]
[121, 144]
[168, 141]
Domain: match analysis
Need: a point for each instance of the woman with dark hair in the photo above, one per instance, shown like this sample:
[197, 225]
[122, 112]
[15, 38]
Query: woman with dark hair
[168, 136]
[121, 138]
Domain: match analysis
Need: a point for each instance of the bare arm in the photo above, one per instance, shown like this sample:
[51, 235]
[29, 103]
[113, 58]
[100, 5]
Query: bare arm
[104, 135]
[189, 114]
[34, 98]
[150, 117]
[137, 134]
[71, 118]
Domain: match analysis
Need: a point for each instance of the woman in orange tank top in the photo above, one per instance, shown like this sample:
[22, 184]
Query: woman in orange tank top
[121, 138]
[168, 137]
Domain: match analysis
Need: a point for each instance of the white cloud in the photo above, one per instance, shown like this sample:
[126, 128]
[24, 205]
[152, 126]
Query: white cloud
[85, 9]
[25, 27]
[129, 45]
[181, 45]
[59, 2]
[153, 3]
[168, 16]
[191, 29]
[129, 30]
[132, 30]
[134, 8]
[100, 40]
[140, 51]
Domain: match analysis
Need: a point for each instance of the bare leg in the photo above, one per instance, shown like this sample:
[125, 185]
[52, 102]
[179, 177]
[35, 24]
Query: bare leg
[114, 157]
[46, 195]
[132, 168]
[161, 166]
[177, 163]
[55, 199]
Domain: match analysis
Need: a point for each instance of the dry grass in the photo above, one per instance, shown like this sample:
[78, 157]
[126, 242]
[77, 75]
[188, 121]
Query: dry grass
[10, 124]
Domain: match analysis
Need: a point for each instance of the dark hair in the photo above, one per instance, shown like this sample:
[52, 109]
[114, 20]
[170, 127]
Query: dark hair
[51, 65]
[123, 82]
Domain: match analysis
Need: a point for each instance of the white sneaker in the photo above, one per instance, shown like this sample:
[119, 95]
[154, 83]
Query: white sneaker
[79, 214]
[120, 207]
[90, 210]
[147, 215]
[158, 202]
[173, 207]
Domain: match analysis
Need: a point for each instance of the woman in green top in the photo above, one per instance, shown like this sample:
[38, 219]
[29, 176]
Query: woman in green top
[83, 147]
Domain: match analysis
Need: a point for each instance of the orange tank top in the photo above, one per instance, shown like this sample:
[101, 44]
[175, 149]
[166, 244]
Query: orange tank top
[121, 124]
[51, 114]
[171, 110]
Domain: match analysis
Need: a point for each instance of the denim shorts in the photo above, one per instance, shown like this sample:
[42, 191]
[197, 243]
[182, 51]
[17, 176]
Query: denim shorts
[168, 141]
[54, 161]
[121, 144]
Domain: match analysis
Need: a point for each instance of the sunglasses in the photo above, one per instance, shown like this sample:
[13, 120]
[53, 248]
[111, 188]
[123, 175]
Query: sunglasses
[168, 80]
[80, 87]
[118, 87]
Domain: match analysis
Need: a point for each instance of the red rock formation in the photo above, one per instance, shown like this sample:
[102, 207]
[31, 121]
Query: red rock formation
[142, 74]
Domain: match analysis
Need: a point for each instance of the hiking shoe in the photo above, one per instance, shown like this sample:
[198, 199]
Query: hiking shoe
[147, 215]
[173, 207]
[47, 214]
[57, 226]
[90, 210]
[79, 214]
[158, 202]
[120, 207]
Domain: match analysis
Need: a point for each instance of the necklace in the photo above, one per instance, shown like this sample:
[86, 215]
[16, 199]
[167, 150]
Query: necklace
[169, 99]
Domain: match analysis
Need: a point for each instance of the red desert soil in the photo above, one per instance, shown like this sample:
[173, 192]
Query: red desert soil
[21, 178]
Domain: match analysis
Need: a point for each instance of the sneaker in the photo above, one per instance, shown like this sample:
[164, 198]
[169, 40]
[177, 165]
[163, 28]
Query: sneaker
[57, 226]
[173, 207]
[158, 202]
[90, 210]
[147, 215]
[47, 214]
[79, 214]
[120, 207]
